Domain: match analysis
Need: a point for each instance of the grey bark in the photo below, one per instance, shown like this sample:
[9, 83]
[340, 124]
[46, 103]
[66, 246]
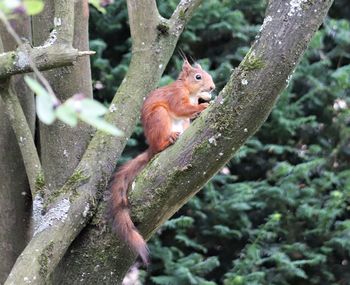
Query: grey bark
[23, 134]
[45, 58]
[61, 146]
[180, 171]
[175, 175]
[14, 188]
[46, 248]
[92, 256]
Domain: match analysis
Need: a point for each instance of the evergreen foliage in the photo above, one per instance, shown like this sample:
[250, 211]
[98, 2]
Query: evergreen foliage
[279, 213]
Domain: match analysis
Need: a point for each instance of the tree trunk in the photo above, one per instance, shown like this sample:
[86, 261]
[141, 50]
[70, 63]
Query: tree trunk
[177, 173]
[14, 188]
[61, 146]
[171, 179]
[244, 104]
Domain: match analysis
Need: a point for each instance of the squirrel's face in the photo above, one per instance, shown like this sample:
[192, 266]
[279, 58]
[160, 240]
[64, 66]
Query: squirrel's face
[196, 79]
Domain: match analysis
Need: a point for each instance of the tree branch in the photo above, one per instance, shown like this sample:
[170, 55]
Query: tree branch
[179, 172]
[143, 18]
[44, 58]
[64, 21]
[23, 135]
[183, 13]
[15, 190]
[57, 51]
[22, 131]
[77, 197]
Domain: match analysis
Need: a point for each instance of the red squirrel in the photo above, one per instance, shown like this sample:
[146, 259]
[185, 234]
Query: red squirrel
[165, 114]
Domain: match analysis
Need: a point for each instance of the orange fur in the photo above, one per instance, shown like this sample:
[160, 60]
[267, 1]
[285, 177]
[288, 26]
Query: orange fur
[165, 115]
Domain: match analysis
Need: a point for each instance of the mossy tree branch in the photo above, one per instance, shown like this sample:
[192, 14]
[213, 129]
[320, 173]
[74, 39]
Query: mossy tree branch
[183, 12]
[77, 198]
[56, 51]
[64, 21]
[43, 57]
[180, 171]
[23, 134]
[14, 210]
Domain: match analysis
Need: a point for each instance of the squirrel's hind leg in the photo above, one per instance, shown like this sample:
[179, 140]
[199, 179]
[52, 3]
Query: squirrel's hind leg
[158, 126]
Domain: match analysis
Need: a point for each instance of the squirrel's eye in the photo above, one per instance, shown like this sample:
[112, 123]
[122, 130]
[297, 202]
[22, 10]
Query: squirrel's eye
[198, 76]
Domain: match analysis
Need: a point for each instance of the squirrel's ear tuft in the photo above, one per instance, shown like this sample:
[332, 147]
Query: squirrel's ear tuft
[186, 67]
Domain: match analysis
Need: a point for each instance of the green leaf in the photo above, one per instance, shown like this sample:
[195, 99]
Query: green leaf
[101, 124]
[67, 114]
[35, 86]
[44, 101]
[6, 6]
[92, 108]
[44, 109]
[33, 7]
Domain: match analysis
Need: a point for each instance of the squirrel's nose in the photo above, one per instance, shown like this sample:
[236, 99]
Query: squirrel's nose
[211, 88]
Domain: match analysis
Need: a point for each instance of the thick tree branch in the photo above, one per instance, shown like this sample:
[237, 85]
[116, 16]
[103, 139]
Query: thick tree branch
[179, 172]
[64, 21]
[14, 186]
[71, 210]
[23, 135]
[21, 130]
[169, 181]
[143, 18]
[44, 58]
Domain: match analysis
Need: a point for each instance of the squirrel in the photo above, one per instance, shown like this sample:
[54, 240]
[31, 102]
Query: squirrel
[165, 115]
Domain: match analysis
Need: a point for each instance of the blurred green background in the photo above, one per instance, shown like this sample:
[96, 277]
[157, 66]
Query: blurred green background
[279, 212]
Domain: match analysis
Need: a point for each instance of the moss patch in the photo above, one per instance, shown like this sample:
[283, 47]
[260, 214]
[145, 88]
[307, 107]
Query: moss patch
[163, 29]
[251, 62]
[39, 182]
[70, 187]
[182, 15]
[44, 260]
[76, 179]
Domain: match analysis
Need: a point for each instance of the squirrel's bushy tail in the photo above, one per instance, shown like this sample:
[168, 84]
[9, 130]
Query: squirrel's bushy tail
[119, 206]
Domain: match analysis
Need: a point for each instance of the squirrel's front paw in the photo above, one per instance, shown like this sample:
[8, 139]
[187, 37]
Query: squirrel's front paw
[204, 105]
[173, 137]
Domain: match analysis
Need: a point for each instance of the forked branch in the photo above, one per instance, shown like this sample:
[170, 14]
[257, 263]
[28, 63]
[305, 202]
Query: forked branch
[180, 171]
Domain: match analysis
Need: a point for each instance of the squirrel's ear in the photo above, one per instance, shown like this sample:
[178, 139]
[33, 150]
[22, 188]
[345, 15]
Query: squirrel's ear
[186, 66]
[197, 65]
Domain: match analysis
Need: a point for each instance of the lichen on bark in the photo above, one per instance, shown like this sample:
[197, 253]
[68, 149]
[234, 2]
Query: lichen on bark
[172, 177]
